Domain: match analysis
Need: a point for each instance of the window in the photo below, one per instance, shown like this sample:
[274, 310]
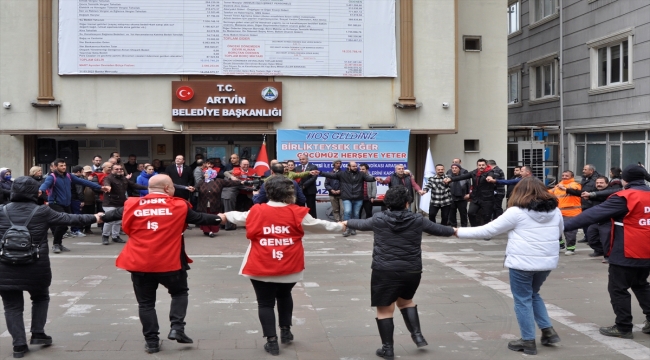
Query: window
[514, 86]
[471, 43]
[513, 18]
[471, 145]
[606, 150]
[543, 78]
[544, 8]
[541, 12]
[611, 62]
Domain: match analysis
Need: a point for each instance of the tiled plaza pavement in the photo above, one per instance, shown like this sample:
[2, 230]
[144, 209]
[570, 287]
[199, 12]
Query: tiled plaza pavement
[465, 309]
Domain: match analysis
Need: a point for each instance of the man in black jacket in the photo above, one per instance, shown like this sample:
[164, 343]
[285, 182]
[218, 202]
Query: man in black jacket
[333, 186]
[351, 181]
[459, 197]
[500, 190]
[308, 184]
[181, 174]
[402, 177]
[458, 162]
[588, 184]
[119, 187]
[629, 254]
[598, 234]
[481, 192]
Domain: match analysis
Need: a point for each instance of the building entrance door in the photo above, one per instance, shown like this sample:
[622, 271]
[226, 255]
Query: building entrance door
[223, 151]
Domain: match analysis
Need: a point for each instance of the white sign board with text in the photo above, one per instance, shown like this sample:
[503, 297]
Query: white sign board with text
[228, 37]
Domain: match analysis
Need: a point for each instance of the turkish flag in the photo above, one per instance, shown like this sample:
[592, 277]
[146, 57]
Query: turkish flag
[262, 161]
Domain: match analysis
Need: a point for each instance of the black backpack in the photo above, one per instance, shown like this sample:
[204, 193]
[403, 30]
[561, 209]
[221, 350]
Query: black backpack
[16, 246]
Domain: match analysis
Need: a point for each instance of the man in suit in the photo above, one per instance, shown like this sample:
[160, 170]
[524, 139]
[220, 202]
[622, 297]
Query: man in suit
[308, 184]
[181, 174]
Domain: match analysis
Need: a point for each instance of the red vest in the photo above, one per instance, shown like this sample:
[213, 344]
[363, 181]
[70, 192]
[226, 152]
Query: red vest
[276, 240]
[636, 224]
[242, 175]
[155, 225]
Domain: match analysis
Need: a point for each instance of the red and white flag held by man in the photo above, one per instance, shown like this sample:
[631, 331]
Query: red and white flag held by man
[262, 161]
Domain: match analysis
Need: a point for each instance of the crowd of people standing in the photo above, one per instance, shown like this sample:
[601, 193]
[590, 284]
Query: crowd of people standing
[540, 221]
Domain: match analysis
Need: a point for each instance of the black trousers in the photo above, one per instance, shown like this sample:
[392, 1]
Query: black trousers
[145, 285]
[481, 205]
[367, 208]
[88, 209]
[595, 235]
[311, 204]
[461, 206]
[267, 293]
[622, 278]
[444, 214]
[498, 206]
[59, 230]
[14, 305]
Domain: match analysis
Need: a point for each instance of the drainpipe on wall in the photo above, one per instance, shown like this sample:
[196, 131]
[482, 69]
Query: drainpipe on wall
[561, 159]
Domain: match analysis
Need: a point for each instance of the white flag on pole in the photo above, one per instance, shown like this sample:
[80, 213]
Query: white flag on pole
[429, 171]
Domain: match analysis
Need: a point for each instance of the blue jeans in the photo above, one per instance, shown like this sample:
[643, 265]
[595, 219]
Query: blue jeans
[351, 209]
[75, 207]
[529, 306]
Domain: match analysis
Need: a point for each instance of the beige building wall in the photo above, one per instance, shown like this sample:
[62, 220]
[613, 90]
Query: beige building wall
[482, 88]
[132, 100]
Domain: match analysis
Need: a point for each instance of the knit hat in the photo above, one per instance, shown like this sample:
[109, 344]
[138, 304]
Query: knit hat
[335, 161]
[454, 164]
[634, 172]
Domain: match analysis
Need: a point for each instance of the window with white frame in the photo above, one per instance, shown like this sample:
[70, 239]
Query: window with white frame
[543, 8]
[611, 62]
[541, 11]
[513, 18]
[514, 86]
[543, 79]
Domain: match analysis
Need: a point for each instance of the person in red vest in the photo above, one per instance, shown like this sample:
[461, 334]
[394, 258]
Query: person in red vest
[275, 259]
[155, 254]
[628, 250]
[243, 172]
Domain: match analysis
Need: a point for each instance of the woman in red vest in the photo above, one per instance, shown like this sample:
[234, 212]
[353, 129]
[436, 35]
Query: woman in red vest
[275, 259]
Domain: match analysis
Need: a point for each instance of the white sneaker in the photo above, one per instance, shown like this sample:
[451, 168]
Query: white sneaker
[79, 234]
[569, 252]
[68, 234]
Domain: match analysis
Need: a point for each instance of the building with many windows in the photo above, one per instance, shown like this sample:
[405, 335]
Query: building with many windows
[578, 83]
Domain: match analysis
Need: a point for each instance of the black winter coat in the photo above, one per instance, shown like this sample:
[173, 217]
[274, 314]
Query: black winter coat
[499, 175]
[37, 275]
[482, 190]
[615, 207]
[398, 238]
[351, 183]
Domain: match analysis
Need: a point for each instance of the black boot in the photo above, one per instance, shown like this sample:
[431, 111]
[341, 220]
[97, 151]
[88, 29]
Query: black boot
[527, 346]
[386, 328]
[549, 336]
[40, 339]
[412, 321]
[20, 350]
[286, 336]
[272, 346]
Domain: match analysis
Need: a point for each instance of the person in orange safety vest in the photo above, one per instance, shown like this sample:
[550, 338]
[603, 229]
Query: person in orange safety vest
[570, 207]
